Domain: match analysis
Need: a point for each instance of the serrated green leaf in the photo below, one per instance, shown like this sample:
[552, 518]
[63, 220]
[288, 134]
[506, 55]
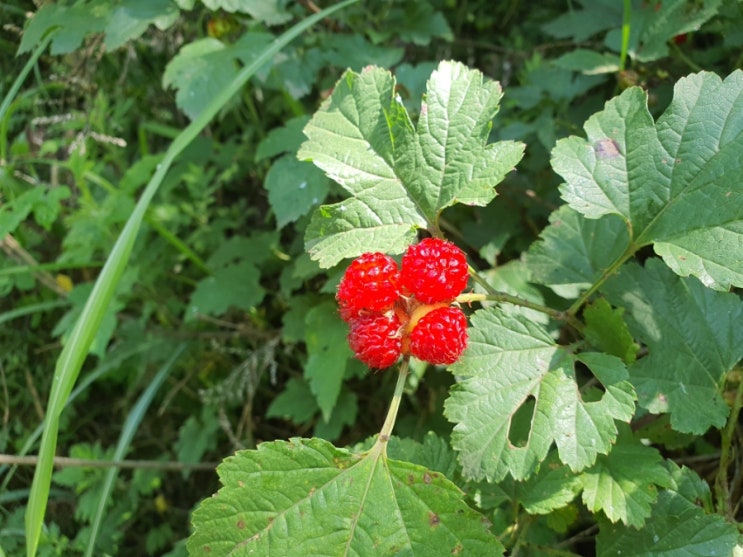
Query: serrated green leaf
[580, 24]
[677, 527]
[344, 414]
[296, 402]
[285, 139]
[608, 332]
[294, 188]
[511, 361]
[305, 497]
[623, 484]
[352, 227]
[355, 52]
[74, 23]
[255, 249]
[551, 488]
[654, 25]
[575, 251]
[131, 18]
[231, 286]
[400, 177]
[693, 338]
[45, 204]
[658, 176]
[687, 483]
[451, 163]
[196, 436]
[293, 324]
[206, 66]
[329, 353]
[433, 453]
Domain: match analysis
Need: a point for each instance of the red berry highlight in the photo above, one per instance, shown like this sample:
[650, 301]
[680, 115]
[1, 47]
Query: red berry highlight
[440, 336]
[375, 340]
[371, 284]
[434, 270]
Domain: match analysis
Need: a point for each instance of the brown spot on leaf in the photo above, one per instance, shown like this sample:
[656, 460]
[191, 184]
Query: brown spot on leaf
[207, 549]
[240, 483]
[427, 478]
[433, 519]
[411, 479]
[606, 149]
[457, 549]
[240, 524]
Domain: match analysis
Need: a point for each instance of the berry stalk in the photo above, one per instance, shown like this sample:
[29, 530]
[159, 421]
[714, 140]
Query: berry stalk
[389, 422]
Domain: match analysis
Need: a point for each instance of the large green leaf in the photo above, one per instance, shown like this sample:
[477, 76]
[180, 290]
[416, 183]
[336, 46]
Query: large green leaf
[677, 527]
[623, 483]
[325, 336]
[693, 336]
[74, 23]
[131, 18]
[294, 188]
[574, 251]
[306, 497]
[551, 488]
[511, 363]
[121, 21]
[401, 177]
[206, 66]
[675, 183]
[607, 331]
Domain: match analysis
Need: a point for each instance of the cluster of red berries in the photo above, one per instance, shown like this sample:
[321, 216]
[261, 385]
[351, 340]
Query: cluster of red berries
[400, 311]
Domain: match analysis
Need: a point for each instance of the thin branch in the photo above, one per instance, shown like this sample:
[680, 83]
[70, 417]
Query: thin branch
[67, 462]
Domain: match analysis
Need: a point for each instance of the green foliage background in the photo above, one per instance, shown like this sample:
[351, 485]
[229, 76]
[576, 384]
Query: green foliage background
[222, 331]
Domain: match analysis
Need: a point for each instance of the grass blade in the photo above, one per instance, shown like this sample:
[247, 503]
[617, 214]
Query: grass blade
[127, 434]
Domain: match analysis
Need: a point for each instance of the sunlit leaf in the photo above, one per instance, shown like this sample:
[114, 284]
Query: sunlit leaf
[305, 497]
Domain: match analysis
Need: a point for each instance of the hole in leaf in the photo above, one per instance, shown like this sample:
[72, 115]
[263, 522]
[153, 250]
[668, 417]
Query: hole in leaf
[518, 432]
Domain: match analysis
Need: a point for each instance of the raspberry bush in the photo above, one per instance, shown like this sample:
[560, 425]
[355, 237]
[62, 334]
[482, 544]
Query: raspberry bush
[576, 357]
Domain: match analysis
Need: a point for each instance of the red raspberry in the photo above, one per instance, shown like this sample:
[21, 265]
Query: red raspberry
[370, 284]
[440, 336]
[375, 339]
[434, 270]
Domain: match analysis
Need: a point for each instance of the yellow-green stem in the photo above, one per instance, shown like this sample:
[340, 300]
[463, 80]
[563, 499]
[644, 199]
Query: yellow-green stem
[389, 422]
[496, 296]
[728, 435]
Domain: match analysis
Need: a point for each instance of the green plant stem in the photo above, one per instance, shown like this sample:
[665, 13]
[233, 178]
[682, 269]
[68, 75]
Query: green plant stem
[723, 502]
[608, 272]
[67, 462]
[684, 58]
[494, 295]
[626, 28]
[389, 422]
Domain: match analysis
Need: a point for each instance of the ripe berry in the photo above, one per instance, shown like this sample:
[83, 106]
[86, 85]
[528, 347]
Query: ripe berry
[440, 336]
[434, 270]
[375, 339]
[370, 284]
